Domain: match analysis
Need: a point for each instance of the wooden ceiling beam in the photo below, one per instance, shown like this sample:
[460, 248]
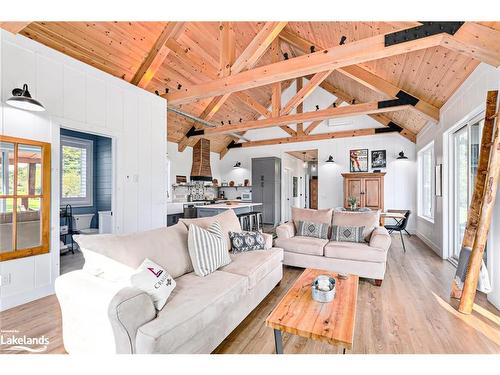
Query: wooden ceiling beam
[379, 117]
[248, 58]
[310, 137]
[303, 93]
[251, 103]
[346, 111]
[365, 77]
[363, 50]
[300, 107]
[157, 54]
[227, 48]
[14, 27]
[477, 41]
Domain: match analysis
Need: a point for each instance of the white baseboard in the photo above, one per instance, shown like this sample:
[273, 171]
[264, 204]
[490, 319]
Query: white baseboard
[22, 298]
[430, 243]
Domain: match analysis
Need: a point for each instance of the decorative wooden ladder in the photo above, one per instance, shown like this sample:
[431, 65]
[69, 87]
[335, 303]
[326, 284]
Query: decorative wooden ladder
[481, 206]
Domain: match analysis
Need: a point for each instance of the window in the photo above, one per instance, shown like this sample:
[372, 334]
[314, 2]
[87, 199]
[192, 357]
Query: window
[76, 172]
[24, 198]
[426, 182]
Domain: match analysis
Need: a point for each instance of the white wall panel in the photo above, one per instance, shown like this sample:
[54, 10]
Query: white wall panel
[83, 98]
[95, 101]
[74, 94]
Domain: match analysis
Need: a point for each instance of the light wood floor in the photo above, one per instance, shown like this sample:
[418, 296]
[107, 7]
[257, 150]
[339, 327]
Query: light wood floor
[409, 313]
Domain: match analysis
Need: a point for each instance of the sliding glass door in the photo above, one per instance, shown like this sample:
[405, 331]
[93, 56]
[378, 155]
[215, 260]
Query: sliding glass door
[466, 143]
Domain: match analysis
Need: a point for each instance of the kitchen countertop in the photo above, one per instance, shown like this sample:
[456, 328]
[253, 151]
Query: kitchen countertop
[226, 206]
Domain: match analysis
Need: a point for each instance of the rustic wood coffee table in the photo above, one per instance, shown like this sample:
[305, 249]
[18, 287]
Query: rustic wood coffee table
[331, 322]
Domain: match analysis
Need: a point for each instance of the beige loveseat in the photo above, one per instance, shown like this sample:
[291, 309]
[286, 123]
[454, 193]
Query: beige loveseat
[102, 315]
[367, 259]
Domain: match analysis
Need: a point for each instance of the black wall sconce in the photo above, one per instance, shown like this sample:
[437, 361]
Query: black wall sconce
[237, 165]
[22, 99]
[402, 156]
[330, 159]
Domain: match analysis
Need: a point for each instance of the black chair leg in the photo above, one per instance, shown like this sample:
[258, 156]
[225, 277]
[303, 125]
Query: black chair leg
[409, 235]
[402, 240]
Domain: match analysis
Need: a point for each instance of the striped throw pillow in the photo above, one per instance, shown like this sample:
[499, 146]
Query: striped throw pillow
[207, 248]
[347, 234]
[310, 229]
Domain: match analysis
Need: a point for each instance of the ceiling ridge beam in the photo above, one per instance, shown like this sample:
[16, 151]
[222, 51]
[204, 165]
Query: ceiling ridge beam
[156, 55]
[364, 76]
[336, 57]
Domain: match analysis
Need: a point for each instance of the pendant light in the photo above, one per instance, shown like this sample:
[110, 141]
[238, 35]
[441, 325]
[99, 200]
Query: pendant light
[402, 156]
[22, 99]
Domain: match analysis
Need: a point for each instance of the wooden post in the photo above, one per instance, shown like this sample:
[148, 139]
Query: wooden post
[477, 196]
[485, 215]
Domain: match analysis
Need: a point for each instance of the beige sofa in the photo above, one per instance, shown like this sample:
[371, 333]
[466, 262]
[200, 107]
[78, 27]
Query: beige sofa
[367, 259]
[102, 315]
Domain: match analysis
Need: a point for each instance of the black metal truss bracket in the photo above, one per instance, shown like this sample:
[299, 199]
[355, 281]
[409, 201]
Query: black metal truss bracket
[403, 98]
[422, 31]
[233, 144]
[193, 132]
[391, 128]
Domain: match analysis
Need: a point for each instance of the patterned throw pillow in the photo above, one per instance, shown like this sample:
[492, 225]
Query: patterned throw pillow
[347, 234]
[207, 248]
[247, 241]
[310, 229]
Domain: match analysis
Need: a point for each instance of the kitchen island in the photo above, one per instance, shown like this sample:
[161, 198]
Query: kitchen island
[239, 208]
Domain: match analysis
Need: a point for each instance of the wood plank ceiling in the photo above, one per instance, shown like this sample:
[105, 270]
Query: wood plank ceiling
[120, 48]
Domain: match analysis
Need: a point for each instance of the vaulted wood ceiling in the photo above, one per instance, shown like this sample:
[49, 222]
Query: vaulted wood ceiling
[188, 54]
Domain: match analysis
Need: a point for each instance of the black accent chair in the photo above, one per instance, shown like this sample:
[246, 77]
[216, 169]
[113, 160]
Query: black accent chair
[400, 225]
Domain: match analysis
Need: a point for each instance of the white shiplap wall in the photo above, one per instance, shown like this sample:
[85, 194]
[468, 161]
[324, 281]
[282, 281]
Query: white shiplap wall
[82, 98]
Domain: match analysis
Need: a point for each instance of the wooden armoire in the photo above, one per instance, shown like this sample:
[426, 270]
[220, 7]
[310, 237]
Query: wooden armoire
[367, 187]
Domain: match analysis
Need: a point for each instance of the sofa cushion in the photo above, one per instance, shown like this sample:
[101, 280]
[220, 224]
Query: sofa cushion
[164, 246]
[316, 216]
[347, 234]
[255, 265]
[311, 229]
[207, 248]
[195, 303]
[228, 220]
[247, 241]
[302, 245]
[370, 220]
[354, 251]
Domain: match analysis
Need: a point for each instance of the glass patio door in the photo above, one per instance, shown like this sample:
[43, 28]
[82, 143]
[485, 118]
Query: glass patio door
[466, 144]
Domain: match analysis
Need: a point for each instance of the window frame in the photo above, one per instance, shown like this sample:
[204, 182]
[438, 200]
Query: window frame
[88, 145]
[45, 198]
[420, 156]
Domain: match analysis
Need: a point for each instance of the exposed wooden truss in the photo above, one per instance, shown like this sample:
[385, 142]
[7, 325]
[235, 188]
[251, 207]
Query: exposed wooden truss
[246, 60]
[157, 55]
[336, 57]
[312, 137]
[365, 77]
[196, 56]
[344, 111]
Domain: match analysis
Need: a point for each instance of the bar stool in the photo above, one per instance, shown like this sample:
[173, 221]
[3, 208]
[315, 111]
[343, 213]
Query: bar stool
[259, 223]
